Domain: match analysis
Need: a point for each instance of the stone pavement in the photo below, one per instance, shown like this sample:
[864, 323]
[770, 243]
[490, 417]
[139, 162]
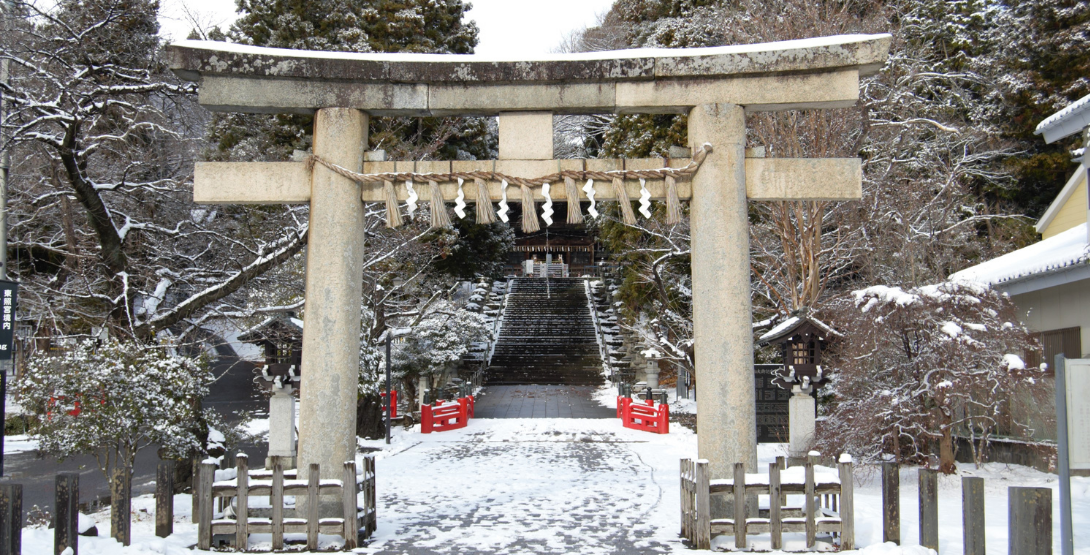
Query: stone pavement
[540, 401]
[530, 486]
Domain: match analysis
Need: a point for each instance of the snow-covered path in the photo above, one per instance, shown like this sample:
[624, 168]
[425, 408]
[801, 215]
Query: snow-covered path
[581, 486]
[532, 486]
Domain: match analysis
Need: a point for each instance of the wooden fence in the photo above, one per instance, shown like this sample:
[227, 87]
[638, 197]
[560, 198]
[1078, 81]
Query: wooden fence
[276, 484]
[827, 508]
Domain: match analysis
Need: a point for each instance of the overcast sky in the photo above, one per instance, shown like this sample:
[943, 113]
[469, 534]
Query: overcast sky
[508, 27]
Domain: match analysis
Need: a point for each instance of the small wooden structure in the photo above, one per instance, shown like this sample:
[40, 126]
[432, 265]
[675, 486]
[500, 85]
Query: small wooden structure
[282, 339]
[828, 505]
[275, 484]
[802, 338]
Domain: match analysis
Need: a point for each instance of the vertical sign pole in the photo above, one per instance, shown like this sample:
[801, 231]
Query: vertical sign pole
[1062, 452]
[389, 390]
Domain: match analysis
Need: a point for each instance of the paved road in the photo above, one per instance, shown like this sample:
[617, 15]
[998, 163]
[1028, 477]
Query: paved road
[233, 396]
[540, 401]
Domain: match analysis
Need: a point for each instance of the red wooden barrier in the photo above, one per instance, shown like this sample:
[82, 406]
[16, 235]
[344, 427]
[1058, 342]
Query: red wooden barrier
[393, 403]
[646, 417]
[441, 418]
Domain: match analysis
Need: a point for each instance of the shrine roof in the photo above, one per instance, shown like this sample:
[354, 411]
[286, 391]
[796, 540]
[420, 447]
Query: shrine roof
[195, 59]
[273, 327]
[789, 326]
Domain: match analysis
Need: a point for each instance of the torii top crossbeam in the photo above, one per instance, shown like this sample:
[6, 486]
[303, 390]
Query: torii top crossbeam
[811, 73]
[713, 86]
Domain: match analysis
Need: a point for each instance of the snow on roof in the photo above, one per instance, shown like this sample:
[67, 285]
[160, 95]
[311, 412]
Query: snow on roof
[1055, 253]
[790, 323]
[1066, 122]
[782, 327]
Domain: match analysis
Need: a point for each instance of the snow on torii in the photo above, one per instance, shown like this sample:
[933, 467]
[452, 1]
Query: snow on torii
[714, 86]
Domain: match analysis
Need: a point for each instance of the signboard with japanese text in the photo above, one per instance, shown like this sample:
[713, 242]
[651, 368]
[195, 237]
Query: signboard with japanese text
[1078, 412]
[772, 413]
[9, 291]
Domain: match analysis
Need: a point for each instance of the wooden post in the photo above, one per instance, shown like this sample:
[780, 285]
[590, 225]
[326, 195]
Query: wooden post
[351, 527]
[775, 520]
[1029, 521]
[276, 499]
[972, 515]
[194, 496]
[242, 503]
[781, 462]
[121, 505]
[686, 497]
[371, 497]
[929, 508]
[203, 489]
[66, 513]
[703, 506]
[740, 506]
[891, 502]
[846, 505]
[312, 506]
[11, 519]
[164, 499]
[811, 509]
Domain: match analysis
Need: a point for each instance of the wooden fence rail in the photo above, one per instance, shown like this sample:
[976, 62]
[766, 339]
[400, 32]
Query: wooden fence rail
[276, 484]
[828, 506]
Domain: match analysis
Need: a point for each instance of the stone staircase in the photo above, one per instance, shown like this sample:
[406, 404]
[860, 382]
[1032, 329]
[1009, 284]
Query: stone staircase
[547, 336]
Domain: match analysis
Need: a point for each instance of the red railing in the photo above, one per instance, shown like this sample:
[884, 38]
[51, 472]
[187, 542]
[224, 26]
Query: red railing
[441, 418]
[646, 417]
[393, 403]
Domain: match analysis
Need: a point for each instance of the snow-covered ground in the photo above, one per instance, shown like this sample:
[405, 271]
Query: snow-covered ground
[19, 444]
[574, 486]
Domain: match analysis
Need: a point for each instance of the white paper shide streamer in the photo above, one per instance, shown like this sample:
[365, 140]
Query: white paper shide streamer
[645, 199]
[547, 208]
[502, 212]
[460, 201]
[589, 190]
[411, 201]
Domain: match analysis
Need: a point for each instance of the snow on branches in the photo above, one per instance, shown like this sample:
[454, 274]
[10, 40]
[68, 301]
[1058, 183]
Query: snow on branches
[918, 367]
[114, 399]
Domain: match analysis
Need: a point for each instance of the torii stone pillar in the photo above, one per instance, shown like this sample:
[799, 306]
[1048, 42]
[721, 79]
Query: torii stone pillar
[334, 287]
[722, 315]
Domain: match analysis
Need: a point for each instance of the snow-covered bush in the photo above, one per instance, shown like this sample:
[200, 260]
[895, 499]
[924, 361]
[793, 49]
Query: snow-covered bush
[436, 344]
[917, 367]
[114, 399]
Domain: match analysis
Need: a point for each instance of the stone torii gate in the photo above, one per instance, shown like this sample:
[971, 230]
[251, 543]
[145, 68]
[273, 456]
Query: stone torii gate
[714, 86]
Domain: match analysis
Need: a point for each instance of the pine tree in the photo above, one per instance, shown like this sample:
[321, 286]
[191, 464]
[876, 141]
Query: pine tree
[1048, 66]
[426, 26]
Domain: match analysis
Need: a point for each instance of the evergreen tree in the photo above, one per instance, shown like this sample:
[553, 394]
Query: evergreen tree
[1047, 63]
[427, 26]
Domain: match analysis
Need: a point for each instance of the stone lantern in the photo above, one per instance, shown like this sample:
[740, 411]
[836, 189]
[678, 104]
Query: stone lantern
[802, 340]
[282, 339]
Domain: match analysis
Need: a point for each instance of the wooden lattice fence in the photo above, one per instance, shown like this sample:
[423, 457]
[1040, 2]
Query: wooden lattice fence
[276, 484]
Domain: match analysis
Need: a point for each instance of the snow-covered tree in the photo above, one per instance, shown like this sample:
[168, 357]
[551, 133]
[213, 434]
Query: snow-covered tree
[916, 367]
[114, 399]
[103, 229]
[434, 341]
